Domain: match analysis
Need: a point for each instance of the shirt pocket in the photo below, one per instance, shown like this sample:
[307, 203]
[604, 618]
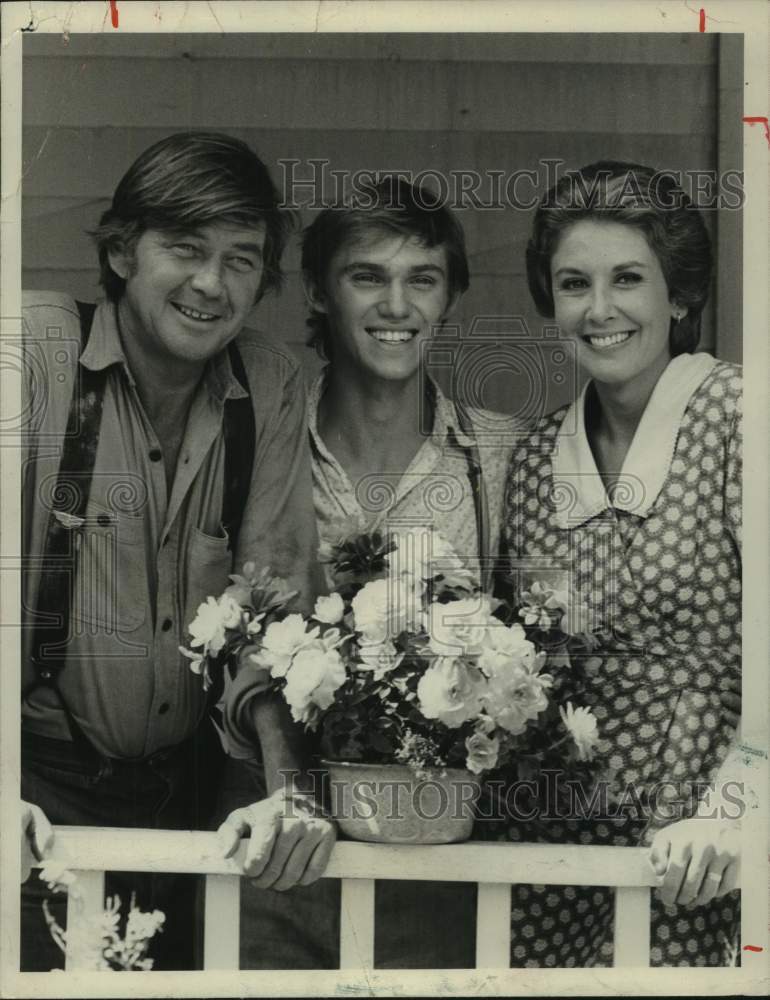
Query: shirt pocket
[208, 564]
[111, 593]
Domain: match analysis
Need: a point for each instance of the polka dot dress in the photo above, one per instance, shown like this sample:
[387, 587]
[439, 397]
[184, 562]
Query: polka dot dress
[665, 590]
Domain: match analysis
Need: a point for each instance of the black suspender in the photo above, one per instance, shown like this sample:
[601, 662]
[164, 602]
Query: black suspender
[240, 436]
[70, 499]
[480, 498]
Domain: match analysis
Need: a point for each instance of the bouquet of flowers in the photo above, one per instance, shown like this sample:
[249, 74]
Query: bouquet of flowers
[408, 661]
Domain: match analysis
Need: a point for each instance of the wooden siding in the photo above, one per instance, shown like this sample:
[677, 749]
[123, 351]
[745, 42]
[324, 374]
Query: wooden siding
[369, 102]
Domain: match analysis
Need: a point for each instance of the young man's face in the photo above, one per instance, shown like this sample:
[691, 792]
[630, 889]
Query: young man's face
[188, 292]
[383, 296]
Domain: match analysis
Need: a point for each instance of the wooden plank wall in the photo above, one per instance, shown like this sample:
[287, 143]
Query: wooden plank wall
[416, 102]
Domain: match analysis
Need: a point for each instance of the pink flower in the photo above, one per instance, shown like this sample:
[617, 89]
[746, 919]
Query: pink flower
[483, 752]
[448, 692]
[516, 695]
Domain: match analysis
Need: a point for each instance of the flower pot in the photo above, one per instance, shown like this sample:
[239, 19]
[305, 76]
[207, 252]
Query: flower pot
[389, 803]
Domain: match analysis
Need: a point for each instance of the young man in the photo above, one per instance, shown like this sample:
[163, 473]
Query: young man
[165, 439]
[387, 447]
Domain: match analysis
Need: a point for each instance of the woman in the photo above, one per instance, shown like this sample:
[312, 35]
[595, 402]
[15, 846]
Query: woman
[633, 493]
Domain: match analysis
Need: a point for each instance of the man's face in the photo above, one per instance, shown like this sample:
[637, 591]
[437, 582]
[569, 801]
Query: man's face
[383, 296]
[188, 292]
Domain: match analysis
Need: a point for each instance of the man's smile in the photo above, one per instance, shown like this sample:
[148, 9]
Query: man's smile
[387, 336]
[189, 313]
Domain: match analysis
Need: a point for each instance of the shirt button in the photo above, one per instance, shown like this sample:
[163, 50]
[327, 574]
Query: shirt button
[162, 709]
[155, 454]
[167, 623]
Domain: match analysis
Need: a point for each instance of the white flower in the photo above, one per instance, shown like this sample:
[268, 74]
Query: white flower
[379, 657]
[207, 628]
[281, 641]
[382, 609]
[312, 680]
[582, 726]
[448, 692]
[57, 876]
[231, 611]
[254, 627]
[422, 553]
[506, 647]
[483, 752]
[459, 628]
[141, 926]
[197, 659]
[329, 609]
[547, 607]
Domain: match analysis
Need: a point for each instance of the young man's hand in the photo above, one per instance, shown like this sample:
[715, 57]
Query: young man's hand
[36, 837]
[697, 860]
[290, 839]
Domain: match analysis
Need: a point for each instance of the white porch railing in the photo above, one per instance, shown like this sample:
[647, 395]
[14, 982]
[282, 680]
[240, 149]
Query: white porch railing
[90, 852]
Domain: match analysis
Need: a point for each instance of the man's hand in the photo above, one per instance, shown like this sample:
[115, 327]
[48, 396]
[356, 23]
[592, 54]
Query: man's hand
[290, 839]
[697, 859]
[36, 837]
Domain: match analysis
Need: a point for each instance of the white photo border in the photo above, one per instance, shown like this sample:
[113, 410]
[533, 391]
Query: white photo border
[748, 17]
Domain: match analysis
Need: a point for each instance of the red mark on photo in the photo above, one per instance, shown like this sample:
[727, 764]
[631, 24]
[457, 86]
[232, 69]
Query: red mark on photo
[702, 21]
[752, 947]
[114, 13]
[759, 120]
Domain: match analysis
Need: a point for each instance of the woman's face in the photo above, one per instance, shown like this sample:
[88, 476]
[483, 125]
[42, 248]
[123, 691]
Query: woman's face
[610, 295]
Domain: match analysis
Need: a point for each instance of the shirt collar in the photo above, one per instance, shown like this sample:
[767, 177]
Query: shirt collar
[649, 458]
[444, 414]
[105, 348]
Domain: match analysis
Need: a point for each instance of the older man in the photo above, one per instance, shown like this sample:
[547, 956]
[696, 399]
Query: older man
[164, 439]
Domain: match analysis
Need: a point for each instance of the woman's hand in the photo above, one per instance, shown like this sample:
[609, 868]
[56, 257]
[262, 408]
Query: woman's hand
[730, 698]
[697, 860]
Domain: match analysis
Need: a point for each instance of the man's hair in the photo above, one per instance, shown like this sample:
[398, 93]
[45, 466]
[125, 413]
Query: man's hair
[649, 200]
[188, 180]
[390, 207]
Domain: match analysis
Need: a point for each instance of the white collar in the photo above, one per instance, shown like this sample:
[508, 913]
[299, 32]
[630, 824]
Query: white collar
[649, 458]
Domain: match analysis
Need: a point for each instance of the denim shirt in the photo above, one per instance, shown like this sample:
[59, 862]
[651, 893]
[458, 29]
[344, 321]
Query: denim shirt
[149, 557]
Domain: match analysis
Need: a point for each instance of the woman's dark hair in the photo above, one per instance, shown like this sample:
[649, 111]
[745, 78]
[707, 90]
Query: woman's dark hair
[651, 201]
[390, 206]
[188, 180]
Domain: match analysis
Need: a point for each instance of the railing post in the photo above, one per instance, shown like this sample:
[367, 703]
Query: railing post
[84, 903]
[632, 926]
[493, 926]
[221, 922]
[357, 923]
